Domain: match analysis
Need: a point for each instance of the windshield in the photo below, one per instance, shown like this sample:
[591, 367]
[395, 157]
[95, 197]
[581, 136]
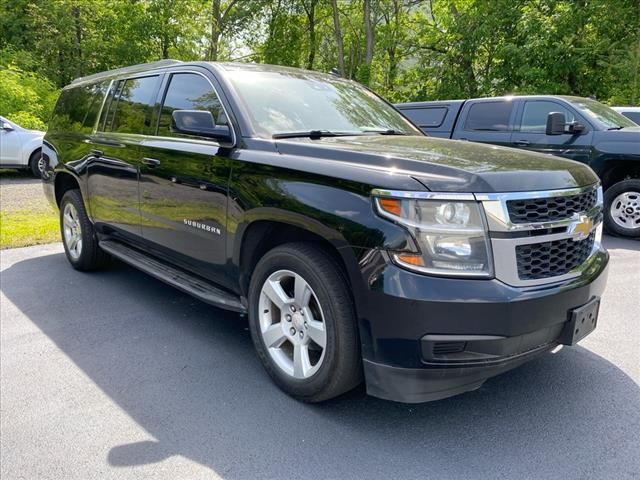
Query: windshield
[605, 116]
[286, 102]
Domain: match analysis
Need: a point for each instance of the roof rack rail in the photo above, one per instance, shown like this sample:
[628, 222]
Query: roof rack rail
[124, 70]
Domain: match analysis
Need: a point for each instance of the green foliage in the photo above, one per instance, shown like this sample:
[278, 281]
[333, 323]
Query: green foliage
[26, 98]
[420, 49]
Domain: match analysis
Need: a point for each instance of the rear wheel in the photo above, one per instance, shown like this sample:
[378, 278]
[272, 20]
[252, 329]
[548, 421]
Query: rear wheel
[78, 235]
[302, 323]
[622, 208]
[36, 163]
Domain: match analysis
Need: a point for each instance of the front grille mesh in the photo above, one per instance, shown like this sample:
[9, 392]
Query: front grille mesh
[551, 259]
[550, 209]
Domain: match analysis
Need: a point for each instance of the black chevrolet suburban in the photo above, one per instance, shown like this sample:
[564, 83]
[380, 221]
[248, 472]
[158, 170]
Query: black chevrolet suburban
[577, 128]
[358, 247]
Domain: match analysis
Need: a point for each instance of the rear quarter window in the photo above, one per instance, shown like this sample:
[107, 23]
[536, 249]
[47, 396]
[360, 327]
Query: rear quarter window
[72, 109]
[431, 117]
[489, 116]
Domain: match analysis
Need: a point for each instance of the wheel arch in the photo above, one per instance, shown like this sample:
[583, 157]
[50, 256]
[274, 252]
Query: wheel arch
[262, 235]
[63, 182]
[615, 171]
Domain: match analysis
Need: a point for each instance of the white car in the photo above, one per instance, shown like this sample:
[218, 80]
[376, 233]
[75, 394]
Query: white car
[632, 113]
[20, 147]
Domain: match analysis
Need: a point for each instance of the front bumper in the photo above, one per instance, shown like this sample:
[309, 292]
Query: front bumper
[426, 338]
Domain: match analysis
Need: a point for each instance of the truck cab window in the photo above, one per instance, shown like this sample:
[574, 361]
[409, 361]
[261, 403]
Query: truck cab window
[489, 116]
[534, 117]
[189, 91]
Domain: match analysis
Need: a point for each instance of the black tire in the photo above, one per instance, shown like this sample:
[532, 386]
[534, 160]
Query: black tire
[91, 256]
[632, 187]
[34, 163]
[341, 368]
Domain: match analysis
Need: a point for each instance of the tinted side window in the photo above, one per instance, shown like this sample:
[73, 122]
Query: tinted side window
[134, 105]
[634, 116]
[534, 116]
[189, 91]
[71, 109]
[427, 117]
[106, 118]
[90, 119]
[492, 116]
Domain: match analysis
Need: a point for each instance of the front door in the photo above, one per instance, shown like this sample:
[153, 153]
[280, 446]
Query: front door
[531, 134]
[183, 182]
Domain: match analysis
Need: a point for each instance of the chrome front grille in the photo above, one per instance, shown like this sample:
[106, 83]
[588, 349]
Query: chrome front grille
[543, 237]
[532, 210]
[551, 259]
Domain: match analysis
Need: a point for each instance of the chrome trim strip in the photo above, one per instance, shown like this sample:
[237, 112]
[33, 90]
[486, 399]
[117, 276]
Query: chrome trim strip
[504, 196]
[379, 192]
[498, 215]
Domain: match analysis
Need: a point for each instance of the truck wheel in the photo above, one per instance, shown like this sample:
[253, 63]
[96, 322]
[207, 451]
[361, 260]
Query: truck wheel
[303, 324]
[36, 163]
[78, 235]
[622, 208]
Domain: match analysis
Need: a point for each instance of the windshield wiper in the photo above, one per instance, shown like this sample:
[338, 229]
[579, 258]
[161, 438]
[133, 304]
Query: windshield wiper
[383, 131]
[313, 134]
[615, 128]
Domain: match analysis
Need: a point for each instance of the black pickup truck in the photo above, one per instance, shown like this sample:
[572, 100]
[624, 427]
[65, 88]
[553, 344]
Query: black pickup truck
[580, 129]
[358, 246]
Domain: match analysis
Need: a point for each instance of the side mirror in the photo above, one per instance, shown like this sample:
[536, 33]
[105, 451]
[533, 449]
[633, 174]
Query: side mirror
[6, 127]
[555, 123]
[200, 123]
[576, 128]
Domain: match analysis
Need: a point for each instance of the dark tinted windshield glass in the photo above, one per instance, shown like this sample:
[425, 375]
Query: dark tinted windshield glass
[133, 108]
[188, 91]
[492, 116]
[601, 114]
[534, 117]
[283, 102]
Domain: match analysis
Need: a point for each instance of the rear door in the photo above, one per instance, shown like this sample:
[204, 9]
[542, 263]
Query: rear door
[184, 178]
[114, 166]
[531, 134]
[486, 121]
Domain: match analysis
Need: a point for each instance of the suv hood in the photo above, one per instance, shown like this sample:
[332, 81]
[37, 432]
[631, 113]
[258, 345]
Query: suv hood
[448, 165]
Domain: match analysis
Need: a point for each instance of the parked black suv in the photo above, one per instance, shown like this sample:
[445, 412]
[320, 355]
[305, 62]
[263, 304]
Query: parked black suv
[357, 245]
[577, 128]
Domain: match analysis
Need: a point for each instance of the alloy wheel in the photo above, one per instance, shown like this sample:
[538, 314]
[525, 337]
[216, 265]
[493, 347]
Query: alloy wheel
[292, 324]
[72, 231]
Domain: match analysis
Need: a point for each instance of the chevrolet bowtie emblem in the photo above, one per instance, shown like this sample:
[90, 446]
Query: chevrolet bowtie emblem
[581, 229]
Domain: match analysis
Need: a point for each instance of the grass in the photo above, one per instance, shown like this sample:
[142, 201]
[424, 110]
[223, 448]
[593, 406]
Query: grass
[24, 227]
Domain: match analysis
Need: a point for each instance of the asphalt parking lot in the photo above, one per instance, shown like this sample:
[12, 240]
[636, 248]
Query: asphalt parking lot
[116, 375]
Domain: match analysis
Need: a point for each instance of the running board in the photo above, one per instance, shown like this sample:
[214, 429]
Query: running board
[188, 283]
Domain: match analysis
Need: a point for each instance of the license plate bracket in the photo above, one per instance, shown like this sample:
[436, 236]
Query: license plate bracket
[582, 321]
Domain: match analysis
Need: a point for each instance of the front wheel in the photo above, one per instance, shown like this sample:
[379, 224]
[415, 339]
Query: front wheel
[622, 208]
[303, 324]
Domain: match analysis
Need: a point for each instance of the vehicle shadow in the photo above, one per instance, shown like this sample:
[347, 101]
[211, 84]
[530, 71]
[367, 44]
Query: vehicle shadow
[186, 372]
[616, 243]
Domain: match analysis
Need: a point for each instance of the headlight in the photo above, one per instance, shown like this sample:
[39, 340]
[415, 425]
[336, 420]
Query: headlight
[451, 234]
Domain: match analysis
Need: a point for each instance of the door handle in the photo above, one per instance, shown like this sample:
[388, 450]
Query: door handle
[151, 162]
[522, 143]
